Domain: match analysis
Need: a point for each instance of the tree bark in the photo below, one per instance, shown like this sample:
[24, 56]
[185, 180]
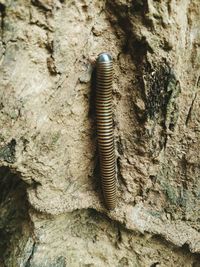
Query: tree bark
[51, 205]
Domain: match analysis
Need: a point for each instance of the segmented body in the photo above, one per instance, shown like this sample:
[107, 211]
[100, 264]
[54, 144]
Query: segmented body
[105, 128]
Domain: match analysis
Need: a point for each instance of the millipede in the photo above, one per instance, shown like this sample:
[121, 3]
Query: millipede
[104, 120]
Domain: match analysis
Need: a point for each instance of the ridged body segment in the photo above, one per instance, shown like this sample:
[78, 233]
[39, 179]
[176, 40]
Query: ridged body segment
[105, 128]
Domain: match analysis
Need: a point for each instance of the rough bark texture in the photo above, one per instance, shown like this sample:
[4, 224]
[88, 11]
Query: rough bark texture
[51, 207]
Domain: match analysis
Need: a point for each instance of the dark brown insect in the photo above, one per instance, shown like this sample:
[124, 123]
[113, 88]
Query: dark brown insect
[105, 128]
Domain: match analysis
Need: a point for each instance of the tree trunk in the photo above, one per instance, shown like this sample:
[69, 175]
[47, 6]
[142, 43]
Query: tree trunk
[52, 212]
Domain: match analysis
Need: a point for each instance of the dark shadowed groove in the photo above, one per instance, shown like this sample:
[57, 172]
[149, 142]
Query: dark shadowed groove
[13, 215]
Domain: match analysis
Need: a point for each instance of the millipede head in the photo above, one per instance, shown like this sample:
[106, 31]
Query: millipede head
[104, 57]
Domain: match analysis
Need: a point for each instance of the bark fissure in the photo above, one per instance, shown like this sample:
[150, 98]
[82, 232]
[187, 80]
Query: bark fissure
[190, 110]
[28, 263]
